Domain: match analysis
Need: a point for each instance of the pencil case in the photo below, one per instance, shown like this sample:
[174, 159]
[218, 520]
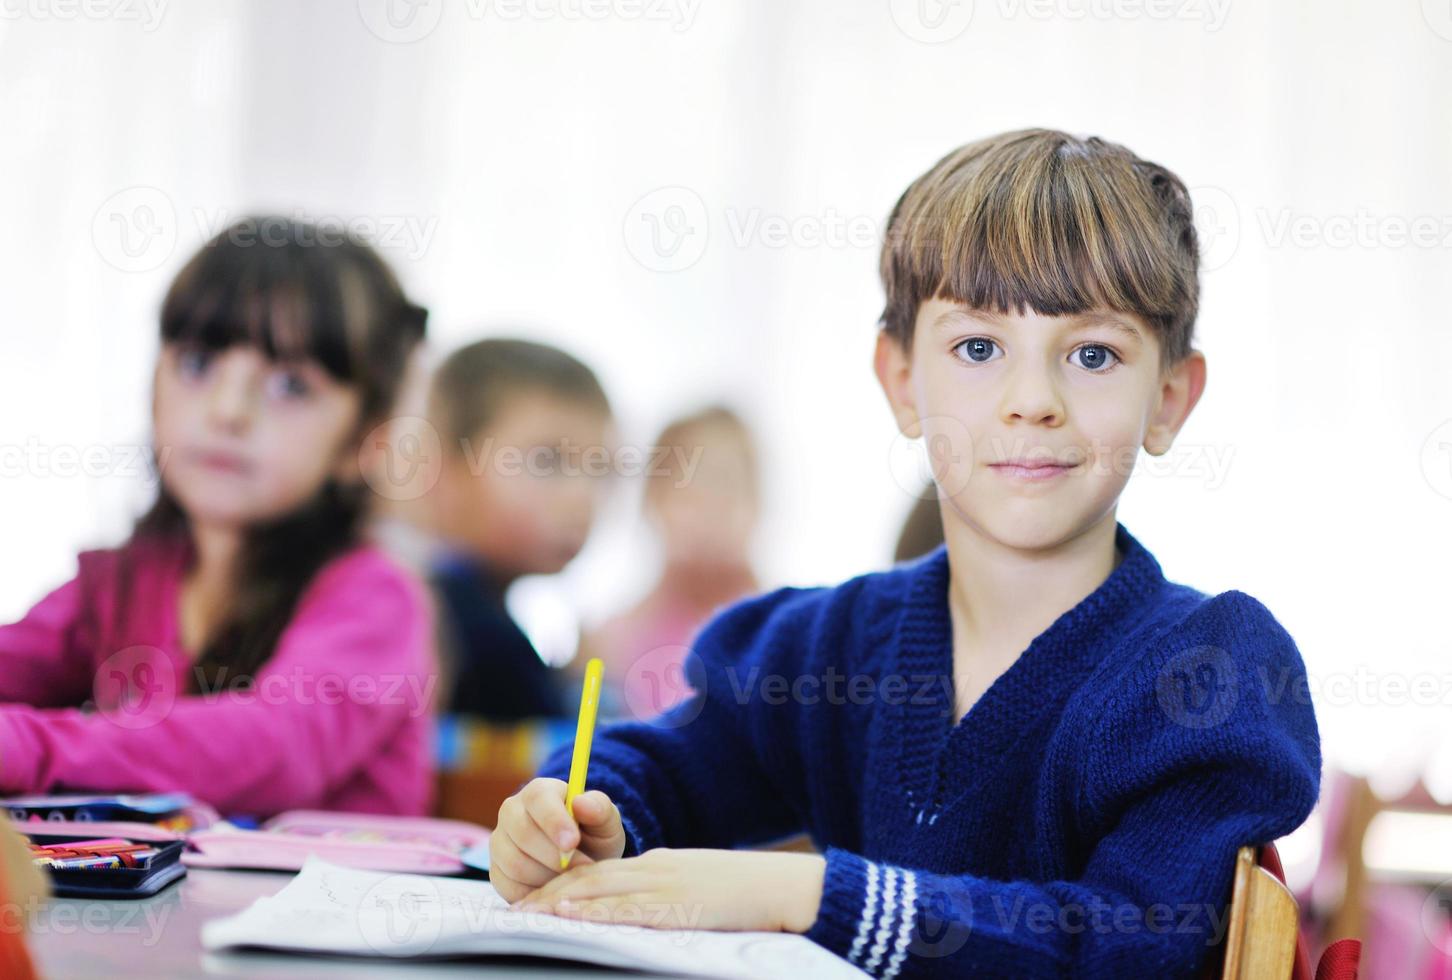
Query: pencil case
[174, 811]
[161, 869]
[421, 845]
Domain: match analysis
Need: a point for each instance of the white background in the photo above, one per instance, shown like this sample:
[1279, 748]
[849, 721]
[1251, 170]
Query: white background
[527, 145]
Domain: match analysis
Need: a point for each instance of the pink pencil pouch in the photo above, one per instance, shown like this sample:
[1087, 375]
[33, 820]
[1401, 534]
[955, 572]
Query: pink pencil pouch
[422, 845]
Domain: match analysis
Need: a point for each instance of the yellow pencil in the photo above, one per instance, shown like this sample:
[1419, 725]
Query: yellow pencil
[584, 732]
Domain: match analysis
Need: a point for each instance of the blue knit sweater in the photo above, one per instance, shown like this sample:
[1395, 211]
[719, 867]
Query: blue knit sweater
[1080, 820]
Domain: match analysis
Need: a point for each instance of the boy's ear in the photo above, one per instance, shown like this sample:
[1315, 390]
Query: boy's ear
[894, 369]
[1180, 390]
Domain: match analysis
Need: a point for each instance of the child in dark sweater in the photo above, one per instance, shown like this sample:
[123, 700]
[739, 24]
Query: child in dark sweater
[1026, 754]
[514, 497]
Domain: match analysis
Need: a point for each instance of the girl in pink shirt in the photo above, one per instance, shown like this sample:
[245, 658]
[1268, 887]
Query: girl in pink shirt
[245, 645]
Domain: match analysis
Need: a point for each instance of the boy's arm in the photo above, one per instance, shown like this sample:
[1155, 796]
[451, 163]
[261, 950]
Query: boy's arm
[1176, 779]
[698, 775]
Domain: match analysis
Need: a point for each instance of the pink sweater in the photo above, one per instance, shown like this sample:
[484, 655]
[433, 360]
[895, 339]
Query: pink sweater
[337, 719]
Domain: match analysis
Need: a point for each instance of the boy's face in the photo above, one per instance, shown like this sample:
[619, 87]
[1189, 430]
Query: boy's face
[1083, 393]
[523, 492]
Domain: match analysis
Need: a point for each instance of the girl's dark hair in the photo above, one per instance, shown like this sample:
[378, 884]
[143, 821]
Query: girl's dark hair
[293, 290]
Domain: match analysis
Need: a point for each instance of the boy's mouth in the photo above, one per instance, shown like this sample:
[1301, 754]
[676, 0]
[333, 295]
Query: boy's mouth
[1032, 469]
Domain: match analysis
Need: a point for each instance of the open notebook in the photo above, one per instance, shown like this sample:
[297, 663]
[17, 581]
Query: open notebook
[328, 909]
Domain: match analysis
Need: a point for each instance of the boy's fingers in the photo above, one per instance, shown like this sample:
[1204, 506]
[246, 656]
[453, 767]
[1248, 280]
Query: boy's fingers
[594, 809]
[532, 840]
[518, 867]
[548, 812]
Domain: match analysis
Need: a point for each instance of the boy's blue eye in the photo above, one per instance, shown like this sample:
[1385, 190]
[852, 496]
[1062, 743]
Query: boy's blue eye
[976, 349]
[1094, 357]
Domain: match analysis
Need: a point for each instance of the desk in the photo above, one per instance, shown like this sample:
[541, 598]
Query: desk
[159, 938]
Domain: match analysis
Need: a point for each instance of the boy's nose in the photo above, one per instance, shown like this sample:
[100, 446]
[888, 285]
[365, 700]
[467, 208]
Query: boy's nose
[1031, 396]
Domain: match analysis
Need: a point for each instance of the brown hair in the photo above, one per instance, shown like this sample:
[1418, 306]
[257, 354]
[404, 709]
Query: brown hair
[1041, 219]
[293, 290]
[473, 384]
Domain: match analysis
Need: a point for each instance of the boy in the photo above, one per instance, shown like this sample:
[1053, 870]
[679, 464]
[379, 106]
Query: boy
[524, 427]
[1027, 753]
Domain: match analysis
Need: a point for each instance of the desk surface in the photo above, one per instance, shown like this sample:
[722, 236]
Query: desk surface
[160, 937]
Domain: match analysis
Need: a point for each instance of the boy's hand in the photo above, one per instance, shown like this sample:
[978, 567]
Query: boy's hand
[535, 829]
[771, 891]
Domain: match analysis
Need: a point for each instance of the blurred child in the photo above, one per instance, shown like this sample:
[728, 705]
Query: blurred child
[703, 498]
[1028, 753]
[525, 429]
[244, 646]
[21, 883]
